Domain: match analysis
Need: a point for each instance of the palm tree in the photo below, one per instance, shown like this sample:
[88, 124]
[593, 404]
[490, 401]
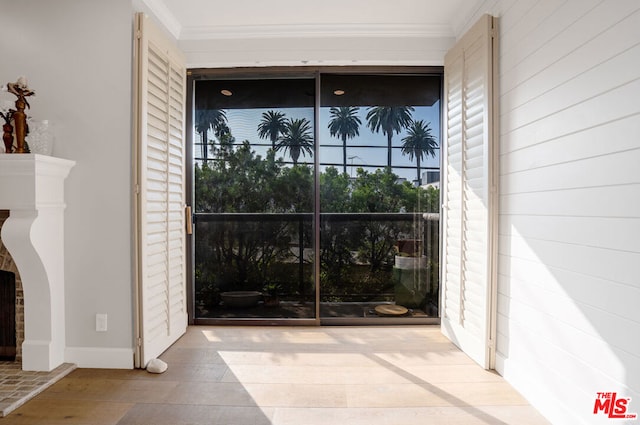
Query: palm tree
[221, 130]
[210, 119]
[418, 143]
[389, 119]
[271, 126]
[345, 124]
[296, 138]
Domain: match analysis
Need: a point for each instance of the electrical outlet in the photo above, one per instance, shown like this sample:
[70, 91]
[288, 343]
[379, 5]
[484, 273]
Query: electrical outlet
[101, 322]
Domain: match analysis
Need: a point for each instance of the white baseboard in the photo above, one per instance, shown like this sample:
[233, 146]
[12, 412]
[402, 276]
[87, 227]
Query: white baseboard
[100, 358]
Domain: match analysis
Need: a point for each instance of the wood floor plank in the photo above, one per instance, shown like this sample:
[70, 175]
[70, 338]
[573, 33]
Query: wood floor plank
[187, 414]
[115, 390]
[40, 411]
[290, 375]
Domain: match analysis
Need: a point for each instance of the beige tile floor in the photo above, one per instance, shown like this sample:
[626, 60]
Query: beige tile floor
[290, 376]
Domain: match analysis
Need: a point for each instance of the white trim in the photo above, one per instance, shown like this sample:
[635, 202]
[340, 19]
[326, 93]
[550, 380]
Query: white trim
[100, 358]
[494, 194]
[462, 22]
[165, 16]
[225, 32]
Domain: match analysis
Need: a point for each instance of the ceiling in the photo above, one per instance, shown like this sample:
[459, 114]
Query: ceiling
[217, 19]
[356, 90]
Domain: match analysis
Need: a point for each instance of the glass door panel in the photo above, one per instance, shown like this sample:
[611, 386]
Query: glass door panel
[379, 156]
[376, 169]
[254, 172]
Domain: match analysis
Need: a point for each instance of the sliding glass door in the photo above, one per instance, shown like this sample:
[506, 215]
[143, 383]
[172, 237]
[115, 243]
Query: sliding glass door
[316, 198]
[379, 140]
[254, 198]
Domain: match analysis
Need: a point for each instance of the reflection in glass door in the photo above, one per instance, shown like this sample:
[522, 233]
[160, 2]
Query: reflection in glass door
[379, 139]
[373, 160]
[254, 195]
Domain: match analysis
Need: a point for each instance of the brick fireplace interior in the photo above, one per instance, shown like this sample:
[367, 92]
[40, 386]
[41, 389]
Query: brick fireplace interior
[10, 276]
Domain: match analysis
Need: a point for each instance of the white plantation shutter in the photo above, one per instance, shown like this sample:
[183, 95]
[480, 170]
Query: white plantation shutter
[161, 240]
[469, 194]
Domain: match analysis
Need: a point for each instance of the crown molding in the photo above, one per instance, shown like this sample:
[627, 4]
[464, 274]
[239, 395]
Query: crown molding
[165, 16]
[462, 21]
[221, 32]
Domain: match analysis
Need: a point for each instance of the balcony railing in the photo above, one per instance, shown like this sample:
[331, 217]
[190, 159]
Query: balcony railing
[365, 259]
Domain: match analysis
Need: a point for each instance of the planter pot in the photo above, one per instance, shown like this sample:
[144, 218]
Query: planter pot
[409, 274]
[409, 246]
[410, 263]
[241, 298]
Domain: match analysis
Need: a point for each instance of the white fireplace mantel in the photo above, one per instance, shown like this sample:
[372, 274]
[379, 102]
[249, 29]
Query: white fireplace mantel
[32, 189]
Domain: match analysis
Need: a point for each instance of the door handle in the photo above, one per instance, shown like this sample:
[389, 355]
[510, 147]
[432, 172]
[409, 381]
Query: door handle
[188, 220]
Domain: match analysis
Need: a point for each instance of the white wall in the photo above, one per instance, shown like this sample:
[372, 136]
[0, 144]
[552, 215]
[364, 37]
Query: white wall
[76, 55]
[316, 51]
[569, 274]
[327, 33]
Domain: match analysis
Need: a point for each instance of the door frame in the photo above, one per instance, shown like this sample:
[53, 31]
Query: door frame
[315, 72]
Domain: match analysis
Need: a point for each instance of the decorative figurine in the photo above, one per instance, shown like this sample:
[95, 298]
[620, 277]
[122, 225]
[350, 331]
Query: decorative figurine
[7, 130]
[22, 91]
